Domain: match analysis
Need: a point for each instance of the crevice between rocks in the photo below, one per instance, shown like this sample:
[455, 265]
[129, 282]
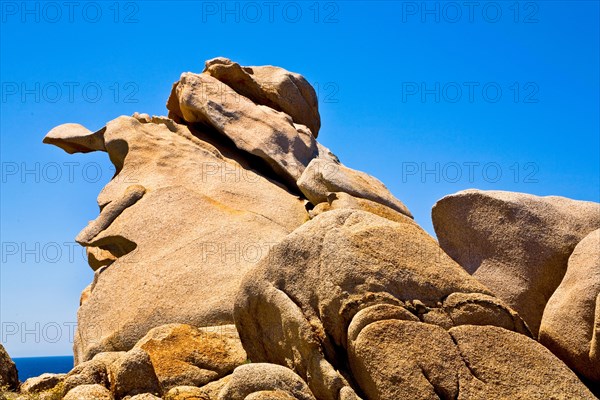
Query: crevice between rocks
[465, 361]
[436, 390]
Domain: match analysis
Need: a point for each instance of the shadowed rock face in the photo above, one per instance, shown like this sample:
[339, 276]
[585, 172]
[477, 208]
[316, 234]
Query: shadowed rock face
[8, 371]
[571, 323]
[184, 221]
[516, 244]
[271, 86]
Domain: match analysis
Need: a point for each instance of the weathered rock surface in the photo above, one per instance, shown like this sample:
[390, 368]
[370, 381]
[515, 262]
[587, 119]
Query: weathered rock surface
[506, 365]
[108, 358]
[259, 130]
[232, 208]
[89, 392]
[323, 176]
[92, 372]
[9, 376]
[271, 86]
[144, 396]
[42, 383]
[514, 243]
[206, 216]
[85, 294]
[270, 395]
[184, 355]
[385, 297]
[341, 200]
[133, 374]
[571, 323]
[206, 392]
[265, 381]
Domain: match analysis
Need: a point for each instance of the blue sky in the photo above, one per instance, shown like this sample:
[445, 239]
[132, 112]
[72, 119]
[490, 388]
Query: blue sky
[430, 99]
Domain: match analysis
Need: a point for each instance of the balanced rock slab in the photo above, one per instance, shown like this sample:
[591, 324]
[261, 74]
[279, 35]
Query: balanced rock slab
[271, 86]
[516, 244]
[324, 176]
[259, 130]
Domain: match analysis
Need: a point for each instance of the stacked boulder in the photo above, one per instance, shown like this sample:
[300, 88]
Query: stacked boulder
[200, 198]
[235, 257]
[379, 311]
[541, 255]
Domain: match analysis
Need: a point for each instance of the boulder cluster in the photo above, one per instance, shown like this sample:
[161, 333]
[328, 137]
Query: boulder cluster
[236, 258]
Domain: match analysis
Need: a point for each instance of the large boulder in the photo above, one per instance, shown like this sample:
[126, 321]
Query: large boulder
[505, 365]
[271, 86]
[42, 383]
[206, 392]
[324, 176]
[184, 355]
[93, 372]
[571, 322]
[516, 244]
[9, 376]
[259, 130]
[354, 294]
[401, 359]
[133, 374]
[265, 381]
[230, 211]
[184, 217]
[89, 392]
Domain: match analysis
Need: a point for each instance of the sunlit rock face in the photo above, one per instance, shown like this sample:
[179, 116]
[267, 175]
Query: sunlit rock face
[380, 302]
[516, 244]
[180, 223]
[198, 199]
[571, 323]
[235, 257]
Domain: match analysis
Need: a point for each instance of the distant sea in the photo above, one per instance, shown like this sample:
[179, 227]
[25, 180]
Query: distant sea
[35, 366]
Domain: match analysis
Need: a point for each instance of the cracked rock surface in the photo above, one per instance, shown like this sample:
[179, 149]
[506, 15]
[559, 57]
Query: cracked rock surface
[377, 306]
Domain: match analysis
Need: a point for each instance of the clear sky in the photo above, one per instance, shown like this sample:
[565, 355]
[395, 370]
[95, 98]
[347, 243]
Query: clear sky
[431, 99]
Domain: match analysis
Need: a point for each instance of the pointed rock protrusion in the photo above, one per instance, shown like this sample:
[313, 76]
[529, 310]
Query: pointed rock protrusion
[75, 138]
